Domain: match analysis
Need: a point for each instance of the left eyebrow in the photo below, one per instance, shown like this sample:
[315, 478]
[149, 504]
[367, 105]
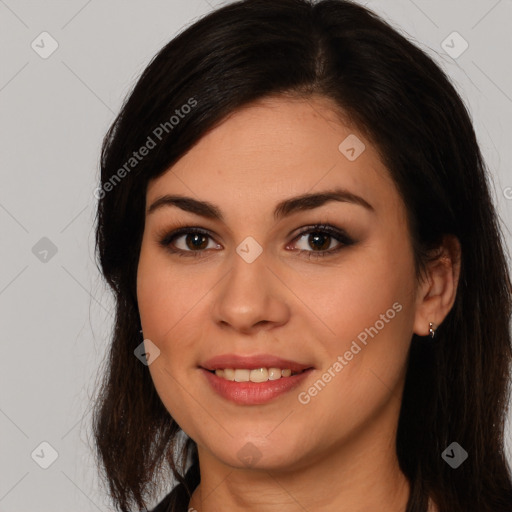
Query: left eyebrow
[283, 209]
[315, 200]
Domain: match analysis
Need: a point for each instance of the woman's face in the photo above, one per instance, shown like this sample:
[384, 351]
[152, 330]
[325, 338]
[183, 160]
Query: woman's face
[345, 306]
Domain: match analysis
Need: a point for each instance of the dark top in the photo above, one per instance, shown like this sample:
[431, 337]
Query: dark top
[178, 499]
[166, 505]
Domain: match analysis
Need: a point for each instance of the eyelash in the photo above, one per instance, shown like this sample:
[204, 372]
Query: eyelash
[338, 234]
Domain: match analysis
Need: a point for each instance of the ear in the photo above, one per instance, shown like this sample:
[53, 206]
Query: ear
[438, 289]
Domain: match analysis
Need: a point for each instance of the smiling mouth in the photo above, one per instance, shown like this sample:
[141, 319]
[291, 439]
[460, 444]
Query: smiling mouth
[254, 386]
[256, 374]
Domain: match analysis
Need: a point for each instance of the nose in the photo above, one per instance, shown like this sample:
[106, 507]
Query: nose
[250, 297]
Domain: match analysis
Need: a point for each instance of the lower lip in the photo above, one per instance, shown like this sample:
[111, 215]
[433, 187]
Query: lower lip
[254, 393]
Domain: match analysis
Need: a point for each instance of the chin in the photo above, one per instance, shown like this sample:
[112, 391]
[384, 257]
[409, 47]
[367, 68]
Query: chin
[260, 455]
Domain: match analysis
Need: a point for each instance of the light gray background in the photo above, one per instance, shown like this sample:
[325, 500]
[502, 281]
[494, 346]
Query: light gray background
[56, 315]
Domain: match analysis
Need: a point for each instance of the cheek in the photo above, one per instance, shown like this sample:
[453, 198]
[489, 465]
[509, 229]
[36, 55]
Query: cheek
[169, 319]
[152, 301]
[165, 297]
[353, 295]
[173, 309]
[364, 365]
[370, 313]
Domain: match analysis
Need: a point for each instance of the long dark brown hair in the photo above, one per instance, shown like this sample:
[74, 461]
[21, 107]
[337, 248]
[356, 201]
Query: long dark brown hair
[456, 387]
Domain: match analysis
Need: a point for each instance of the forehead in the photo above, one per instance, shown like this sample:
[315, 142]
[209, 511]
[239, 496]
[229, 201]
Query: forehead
[276, 148]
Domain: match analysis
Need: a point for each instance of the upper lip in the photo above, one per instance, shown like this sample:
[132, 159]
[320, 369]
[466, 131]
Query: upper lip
[252, 362]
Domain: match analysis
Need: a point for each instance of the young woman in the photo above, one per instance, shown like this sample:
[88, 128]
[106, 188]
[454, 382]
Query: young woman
[313, 300]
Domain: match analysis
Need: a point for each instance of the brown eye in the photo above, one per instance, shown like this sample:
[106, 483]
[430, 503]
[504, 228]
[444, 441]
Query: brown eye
[320, 238]
[194, 241]
[320, 241]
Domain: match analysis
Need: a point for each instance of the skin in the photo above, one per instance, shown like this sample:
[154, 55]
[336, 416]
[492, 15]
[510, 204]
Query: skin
[337, 452]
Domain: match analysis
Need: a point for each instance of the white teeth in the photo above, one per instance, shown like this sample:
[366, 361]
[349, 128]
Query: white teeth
[256, 375]
[242, 375]
[229, 374]
[274, 373]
